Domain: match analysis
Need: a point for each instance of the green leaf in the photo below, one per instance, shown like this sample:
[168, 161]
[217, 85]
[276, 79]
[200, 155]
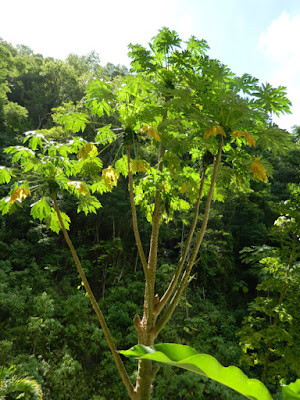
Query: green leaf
[105, 135]
[75, 121]
[88, 204]
[291, 391]
[121, 166]
[40, 209]
[35, 139]
[6, 206]
[52, 221]
[19, 152]
[5, 175]
[203, 364]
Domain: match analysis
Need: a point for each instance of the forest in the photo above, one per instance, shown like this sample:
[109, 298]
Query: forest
[143, 207]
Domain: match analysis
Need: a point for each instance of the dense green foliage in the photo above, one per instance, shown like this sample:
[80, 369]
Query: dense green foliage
[47, 328]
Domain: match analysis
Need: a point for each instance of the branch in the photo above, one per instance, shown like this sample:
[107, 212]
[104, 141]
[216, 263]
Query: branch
[184, 279]
[168, 293]
[134, 218]
[152, 258]
[108, 337]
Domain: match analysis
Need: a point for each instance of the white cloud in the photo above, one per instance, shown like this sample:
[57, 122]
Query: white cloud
[280, 43]
[281, 38]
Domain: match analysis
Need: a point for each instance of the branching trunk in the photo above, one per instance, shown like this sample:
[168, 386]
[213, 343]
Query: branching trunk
[170, 290]
[185, 277]
[134, 216]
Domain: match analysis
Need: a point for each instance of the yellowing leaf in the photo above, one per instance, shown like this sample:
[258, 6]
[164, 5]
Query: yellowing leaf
[250, 140]
[258, 170]
[199, 106]
[19, 194]
[89, 150]
[110, 176]
[80, 187]
[150, 131]
[214, 131]
[183, 188]
[139, 165]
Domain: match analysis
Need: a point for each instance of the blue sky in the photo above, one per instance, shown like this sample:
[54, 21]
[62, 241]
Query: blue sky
[259, 37]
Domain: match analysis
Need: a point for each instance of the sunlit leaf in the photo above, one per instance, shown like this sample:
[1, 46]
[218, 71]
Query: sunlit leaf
[214, 131]
[183, 188]
[79, 187]
[88, 204]
[250, 140]
[5, 175]
[110, 176]
[258, 170]
[19, 194]
[74, 121]
[291, 391]
[105, 135]
[89, 150]
[139, 165]
[40, 209]
[53, 223]
[203, 364]
[90, 166]
[151, 132]
[121, 166]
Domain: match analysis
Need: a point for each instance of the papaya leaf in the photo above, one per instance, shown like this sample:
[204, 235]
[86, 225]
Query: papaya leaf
[89, 150]
[40, 209]
[78, 188]
[75, 121]
[52, 221]
[88, 204]
[19, 193]
[5, 175]
[105, 135]
[19, 152]
[291, 391]
[203, 364]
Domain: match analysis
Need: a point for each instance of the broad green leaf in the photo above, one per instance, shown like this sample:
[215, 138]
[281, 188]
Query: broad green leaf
[5, 175]
[40, 209]
[291, 391]
[19, 152]
[88, 204]
[31, 163]
[90, 166]
[121, 166]
[203, 364]
[75, 121]
[105, 135]
[35, 139]
[99, 186]
[6, 206]
[52, 221]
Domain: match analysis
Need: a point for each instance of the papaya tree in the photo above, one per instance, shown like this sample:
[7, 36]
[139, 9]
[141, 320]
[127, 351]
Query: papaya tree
[188, 131]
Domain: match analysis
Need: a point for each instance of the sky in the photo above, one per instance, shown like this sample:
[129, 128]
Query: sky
[259, 37]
